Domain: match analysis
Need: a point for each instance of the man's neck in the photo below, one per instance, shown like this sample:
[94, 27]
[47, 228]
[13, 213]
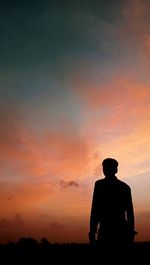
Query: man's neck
[110, 177]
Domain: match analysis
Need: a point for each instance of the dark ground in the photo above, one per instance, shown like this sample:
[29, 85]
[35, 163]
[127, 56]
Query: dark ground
[29, 251]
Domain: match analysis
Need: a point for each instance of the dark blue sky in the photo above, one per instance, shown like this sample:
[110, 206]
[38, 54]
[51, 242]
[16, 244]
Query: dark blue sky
[42, 41]
[37, 33]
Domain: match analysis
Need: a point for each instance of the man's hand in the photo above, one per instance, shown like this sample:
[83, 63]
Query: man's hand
[92, 238]
[132, 236]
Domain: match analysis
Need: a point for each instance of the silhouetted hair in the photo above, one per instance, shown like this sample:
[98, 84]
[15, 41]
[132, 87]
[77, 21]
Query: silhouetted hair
[110, 162]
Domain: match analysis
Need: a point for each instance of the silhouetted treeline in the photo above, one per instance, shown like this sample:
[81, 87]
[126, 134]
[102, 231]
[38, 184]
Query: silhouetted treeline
[30, 251]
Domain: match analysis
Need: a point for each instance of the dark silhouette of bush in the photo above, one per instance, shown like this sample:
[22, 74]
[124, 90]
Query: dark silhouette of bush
[30, 251]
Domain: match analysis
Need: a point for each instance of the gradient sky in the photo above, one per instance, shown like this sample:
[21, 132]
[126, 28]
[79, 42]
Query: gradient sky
[74, 89]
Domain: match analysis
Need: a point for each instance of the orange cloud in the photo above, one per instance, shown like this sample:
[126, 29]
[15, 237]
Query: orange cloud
[16, 227]
[26, 153]
[67, 153]
[24, 196]
[33, 165]
[19, 148]
[69, 184]
[117, 121]
[120, 99]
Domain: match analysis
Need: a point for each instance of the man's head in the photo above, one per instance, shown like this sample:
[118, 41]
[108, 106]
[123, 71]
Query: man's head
[110, 167]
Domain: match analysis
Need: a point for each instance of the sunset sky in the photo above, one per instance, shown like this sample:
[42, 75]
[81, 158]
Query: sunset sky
[74, 89]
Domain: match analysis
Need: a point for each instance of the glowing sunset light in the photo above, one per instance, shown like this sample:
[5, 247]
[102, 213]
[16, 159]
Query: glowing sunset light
[74, 89]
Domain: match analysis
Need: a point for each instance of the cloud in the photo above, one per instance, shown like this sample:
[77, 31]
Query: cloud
[20, 149]
[96, 155]
[32, 165]
[68, 153]
[117, 121]
[110, 89]
[142, 225]
[60, 230]
[112, 92]
[136, 15]
[140, 188]
[25, 196]
[11, 229]
[114, 106]
[72, 183]
[135, 30]
[25, 153]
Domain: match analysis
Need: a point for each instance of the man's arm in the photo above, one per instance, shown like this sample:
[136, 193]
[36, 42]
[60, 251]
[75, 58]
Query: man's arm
[130, 215]
[94, 216]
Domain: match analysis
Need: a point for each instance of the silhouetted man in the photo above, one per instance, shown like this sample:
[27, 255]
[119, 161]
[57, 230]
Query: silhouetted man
[112, 215]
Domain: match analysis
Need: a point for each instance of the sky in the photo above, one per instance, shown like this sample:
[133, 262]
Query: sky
[74, 89]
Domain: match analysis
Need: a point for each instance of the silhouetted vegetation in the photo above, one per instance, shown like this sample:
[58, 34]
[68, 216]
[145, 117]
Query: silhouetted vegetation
[30, 251]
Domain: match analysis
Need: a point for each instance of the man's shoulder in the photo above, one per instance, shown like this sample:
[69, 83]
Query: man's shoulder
[121, 184]
[103, 180]
[124, 185]
[99, 182]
